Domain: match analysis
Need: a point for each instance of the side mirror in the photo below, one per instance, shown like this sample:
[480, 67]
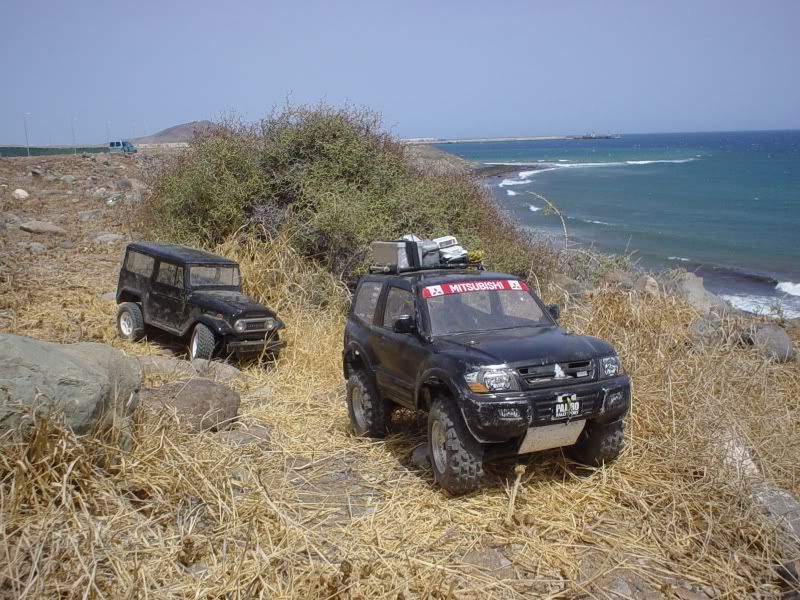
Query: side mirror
[554, 310]
[404, 324]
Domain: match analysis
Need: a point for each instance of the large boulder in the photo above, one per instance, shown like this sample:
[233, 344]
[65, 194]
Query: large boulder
[42, 227]
[619, 279]
[91, 386]
[772, 341]
[201, 404]
[690, 287]
[645, 284]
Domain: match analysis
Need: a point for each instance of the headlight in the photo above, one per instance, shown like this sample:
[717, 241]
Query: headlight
[269, 323]
[611, 366]
[240, 326]
[491, 380]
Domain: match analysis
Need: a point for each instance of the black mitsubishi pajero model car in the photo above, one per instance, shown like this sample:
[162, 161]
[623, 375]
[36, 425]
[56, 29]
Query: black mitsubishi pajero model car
[485, 358]
[195, 295]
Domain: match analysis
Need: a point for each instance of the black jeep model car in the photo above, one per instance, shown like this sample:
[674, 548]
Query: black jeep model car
[195, 295]
[486, 359]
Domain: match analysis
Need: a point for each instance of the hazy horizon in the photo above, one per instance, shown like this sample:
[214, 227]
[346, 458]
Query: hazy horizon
[449, 70]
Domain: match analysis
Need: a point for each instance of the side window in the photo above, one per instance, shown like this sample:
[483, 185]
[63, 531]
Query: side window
[399, 302]
[171, 275]
[367, 300]
[139, 263]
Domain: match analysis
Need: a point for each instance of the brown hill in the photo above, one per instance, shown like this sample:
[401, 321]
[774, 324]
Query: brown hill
[176, 134]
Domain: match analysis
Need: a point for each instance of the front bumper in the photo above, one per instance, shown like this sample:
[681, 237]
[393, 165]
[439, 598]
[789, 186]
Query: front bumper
[251, 346]
[493, 418]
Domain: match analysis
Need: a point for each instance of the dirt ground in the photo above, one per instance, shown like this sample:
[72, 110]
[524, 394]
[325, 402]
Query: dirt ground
[321, 514]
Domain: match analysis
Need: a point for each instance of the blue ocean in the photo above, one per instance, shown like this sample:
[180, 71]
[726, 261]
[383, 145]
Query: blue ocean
[723, 205]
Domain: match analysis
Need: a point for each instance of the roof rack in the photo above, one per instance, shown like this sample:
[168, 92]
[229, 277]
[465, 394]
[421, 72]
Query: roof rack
[395, 270]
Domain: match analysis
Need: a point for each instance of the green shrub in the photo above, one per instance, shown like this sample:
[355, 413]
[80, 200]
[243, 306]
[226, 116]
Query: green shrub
[337, 181]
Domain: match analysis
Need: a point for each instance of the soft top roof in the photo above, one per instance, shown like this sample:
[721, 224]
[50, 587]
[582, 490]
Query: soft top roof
[182, 254]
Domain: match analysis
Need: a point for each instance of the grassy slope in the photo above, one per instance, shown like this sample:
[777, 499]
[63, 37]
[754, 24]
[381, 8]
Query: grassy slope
[321, 513]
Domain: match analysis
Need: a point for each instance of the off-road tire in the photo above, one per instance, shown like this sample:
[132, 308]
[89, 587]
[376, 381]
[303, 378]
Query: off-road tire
[202, 343]
[463, 460]
[370, 415]
[599, 444]
[132, 313]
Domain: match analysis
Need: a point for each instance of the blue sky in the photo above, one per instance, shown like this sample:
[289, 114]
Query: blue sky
[445, 69]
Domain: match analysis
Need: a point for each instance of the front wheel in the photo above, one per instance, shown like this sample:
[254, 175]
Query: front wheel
[130, 323]
[599, 444]
[456, 456]
[203, 343]
[370, 414]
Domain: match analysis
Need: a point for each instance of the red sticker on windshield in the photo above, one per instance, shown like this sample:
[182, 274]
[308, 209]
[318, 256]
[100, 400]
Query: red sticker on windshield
[483, 285]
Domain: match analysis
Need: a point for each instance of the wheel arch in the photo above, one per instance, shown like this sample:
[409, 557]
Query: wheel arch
[354, 358]
[126, 295]
[432, 384]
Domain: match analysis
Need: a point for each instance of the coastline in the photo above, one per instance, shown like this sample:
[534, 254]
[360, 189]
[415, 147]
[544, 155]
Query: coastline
[746, 289]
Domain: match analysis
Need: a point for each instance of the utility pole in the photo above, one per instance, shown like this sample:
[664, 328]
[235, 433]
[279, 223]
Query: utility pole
[25, 121]
[74, 143]
[108, 132]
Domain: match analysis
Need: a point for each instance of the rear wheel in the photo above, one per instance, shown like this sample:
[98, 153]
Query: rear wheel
[130, 323]
[203, 343]
[370, 414]
[456, 456]
[599, 444]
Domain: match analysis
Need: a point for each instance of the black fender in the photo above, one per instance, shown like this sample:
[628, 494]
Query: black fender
[220, 327]
[127, 294]
[354, 348]
[440, 377]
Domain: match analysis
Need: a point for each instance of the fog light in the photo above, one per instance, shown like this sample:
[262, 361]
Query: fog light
[614, 398]
[508, 413]
[240, 326]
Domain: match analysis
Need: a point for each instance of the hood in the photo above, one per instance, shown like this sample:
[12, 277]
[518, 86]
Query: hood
[523, 345]
[228, 302]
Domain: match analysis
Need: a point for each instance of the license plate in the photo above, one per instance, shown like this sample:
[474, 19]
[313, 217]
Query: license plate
[567, 405]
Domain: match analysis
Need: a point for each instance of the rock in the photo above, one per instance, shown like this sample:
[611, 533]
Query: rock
[68, 179]
[42, 227]
[66, 245]
[99, 193]
[91, 386]
[491, 560]
[620, 279]
[244, 436]
[199, 367]
[690, 287]
[201, 404]
[36, 171]
[123, 184]
[572, 287]
[108, 238]
[33, 247]
[108, 297]
[88, 215]
[773, 342]
[646, 285]
[707, 331]
[20, 194]
[421, 456]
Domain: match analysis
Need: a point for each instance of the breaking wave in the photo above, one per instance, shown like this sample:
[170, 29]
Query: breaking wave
[511, 193]
[533, 208]
[680, 258]
[507, 182]
[787, 287]
[761, 305]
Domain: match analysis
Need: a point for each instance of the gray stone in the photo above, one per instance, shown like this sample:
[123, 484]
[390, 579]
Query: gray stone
[421, 456]
[33, 247]
[182, 369]
[620, 279]
[66, 244]
[245, 435]
[707, 331]
[90, 386]
[42, 227]
[571, 287]
[99, 193]
[68, 179]
[20, 194]
[36, 171]
[201, 404]
[646, 285]
[109, 238]
[88, 215]
[491, 560]
[690, 287]
[123, 184]
[773, 342]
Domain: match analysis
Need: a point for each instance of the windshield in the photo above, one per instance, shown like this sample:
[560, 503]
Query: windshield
[483, 305]
[214, 276]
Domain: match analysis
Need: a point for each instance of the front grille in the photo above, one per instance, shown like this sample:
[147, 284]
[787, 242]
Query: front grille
[255, 325]
[545, 410]
[565, 373]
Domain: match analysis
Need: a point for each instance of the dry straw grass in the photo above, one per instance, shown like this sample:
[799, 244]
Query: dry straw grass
[321, 514]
